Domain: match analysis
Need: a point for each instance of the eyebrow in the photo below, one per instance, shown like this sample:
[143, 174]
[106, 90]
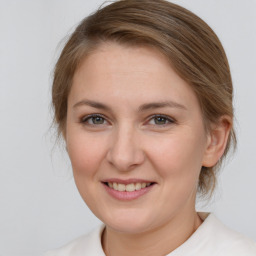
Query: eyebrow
[155, 105]
[142, 108]
[93, 104]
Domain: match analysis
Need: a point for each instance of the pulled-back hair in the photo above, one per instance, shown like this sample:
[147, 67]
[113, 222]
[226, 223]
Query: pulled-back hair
[190, 45]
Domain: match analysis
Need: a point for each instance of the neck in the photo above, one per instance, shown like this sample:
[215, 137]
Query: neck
[160, 241]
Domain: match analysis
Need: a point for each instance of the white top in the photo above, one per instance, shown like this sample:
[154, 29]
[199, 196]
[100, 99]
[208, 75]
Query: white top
[212, 238]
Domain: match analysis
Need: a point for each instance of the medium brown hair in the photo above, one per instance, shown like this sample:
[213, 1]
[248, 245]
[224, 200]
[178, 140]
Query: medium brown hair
[190, 45]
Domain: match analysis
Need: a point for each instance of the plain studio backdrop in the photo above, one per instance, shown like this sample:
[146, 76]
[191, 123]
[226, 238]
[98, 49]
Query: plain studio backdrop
[40, 206]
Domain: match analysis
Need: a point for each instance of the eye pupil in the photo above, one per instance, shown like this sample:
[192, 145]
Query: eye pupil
[160, 120]
[97, 120]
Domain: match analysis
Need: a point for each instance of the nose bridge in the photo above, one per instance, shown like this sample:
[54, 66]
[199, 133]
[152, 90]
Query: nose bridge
[125, 152]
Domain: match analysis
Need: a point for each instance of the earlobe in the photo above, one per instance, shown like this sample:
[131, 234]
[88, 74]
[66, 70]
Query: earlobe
[217, 141]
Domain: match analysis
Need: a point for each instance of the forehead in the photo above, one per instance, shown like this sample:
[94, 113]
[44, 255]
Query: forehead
[111, 57]
[116, 72]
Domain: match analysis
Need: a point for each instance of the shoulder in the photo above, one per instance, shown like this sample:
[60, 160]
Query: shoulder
[213, 238]
[89, 244]
[223, 241]
[227, 241]
[242, 246]
[233, 243]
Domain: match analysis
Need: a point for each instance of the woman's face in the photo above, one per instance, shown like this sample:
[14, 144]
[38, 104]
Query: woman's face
[133, 122]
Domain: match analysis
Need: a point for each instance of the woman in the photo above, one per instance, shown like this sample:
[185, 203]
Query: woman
[142, 95]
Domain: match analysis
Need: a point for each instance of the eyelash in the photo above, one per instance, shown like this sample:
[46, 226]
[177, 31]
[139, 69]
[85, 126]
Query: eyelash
[169, 120]
[85, 119]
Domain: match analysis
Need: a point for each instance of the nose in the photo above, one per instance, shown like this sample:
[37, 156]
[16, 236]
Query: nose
[125, 152]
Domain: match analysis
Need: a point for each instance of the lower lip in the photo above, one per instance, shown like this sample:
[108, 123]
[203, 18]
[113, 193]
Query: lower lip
[125, 195]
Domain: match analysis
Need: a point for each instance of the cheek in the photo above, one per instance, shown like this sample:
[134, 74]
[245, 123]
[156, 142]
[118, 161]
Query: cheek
[178, 157]
[85, 152]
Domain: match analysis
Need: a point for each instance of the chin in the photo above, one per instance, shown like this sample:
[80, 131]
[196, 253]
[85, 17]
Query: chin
[128, 228]
[129, 223]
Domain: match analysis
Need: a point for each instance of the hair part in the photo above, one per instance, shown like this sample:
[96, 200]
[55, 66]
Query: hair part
[190, 45]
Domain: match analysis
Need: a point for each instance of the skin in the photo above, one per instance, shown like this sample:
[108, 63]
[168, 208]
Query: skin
[127, 142]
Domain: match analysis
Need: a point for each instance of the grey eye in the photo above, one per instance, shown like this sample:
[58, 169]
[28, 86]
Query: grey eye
[94, 120]
[160, 120]
[97, 120]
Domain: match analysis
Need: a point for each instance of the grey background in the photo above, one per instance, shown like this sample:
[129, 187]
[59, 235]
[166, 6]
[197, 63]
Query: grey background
[39, 205]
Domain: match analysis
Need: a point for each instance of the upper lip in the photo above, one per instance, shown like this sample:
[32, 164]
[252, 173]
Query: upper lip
[127, 181]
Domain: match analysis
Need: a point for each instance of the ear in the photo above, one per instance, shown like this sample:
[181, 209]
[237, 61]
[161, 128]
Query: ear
[217, 141]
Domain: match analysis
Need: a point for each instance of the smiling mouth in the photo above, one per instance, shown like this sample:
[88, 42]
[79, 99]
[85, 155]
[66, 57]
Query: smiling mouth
[131, 187]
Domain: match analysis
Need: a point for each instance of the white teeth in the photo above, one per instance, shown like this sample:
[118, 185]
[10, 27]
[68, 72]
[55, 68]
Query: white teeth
[115, 186]
[129, 187]
[121, 187]
[138, 186]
